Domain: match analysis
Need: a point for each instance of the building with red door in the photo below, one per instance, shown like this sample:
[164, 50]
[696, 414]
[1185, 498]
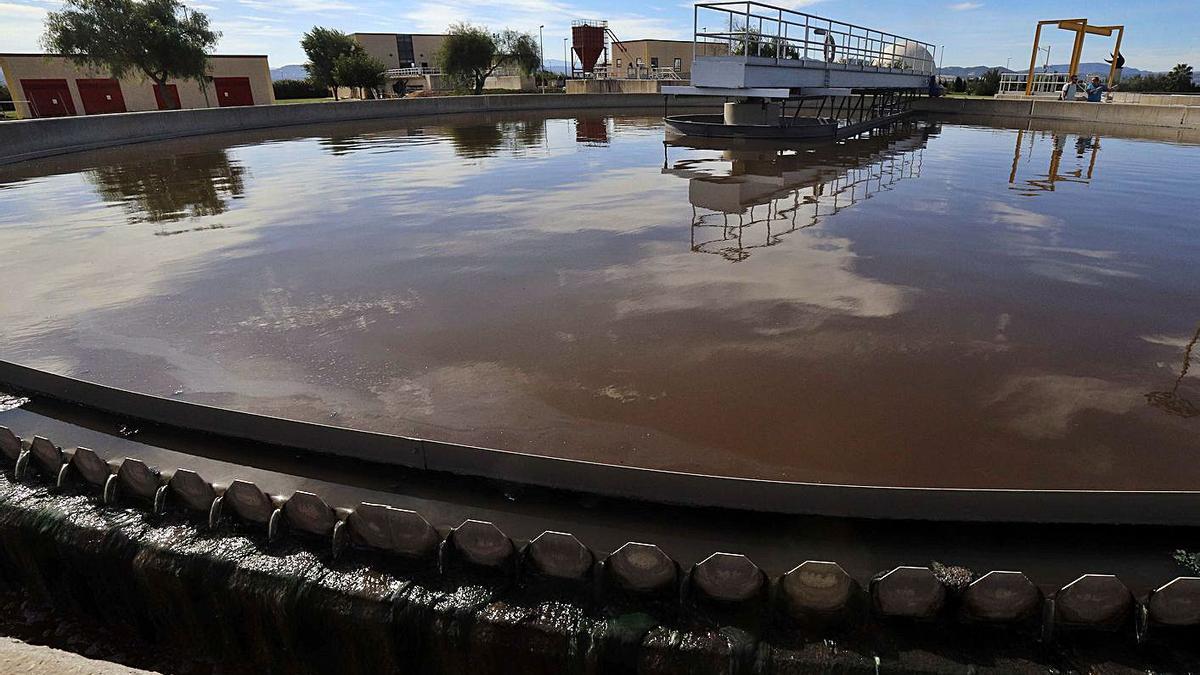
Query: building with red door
[51, 85]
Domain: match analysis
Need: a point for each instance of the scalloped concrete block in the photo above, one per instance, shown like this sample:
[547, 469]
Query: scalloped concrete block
[10, 444]
[1093, 600]
[195, 493]
[816, 585]
[396, 530]
[482, 543]
[249, 502]
[912, 592]
[1001, 596]
[1176, 603]
[643, 568]
[561, 555]
[90, 466]
[49, 457]
[307, 512]
[137, 479]
[729, 577]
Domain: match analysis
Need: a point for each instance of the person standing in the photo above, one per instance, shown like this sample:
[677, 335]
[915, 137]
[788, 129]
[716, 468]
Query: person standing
[1096, 90]
[1069, 89]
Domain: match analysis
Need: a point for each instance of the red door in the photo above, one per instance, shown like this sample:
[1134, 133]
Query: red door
[48, 98]
[160, 96]
[101, 96]
[233, 91]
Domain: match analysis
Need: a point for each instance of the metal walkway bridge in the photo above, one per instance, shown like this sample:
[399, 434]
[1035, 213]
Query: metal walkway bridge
[751, 49]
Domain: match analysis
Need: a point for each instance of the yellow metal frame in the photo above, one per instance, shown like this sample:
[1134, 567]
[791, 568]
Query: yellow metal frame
[1081, 28]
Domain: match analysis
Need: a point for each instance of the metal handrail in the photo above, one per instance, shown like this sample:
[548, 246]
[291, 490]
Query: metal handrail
[1044, 83]
[411, 72]
[784, 34]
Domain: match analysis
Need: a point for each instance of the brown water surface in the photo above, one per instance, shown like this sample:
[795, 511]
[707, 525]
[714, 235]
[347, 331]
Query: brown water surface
[938, 305]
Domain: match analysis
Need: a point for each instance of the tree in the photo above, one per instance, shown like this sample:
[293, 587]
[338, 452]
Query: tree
[1179, 79]
[753, 42]
[359, 69]
[989, 83]
[324, 46]
[470, 54]
[159, 39]
[959, 85]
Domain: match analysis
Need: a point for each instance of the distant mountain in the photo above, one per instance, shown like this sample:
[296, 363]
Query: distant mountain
[292, 72]
[1084, 68]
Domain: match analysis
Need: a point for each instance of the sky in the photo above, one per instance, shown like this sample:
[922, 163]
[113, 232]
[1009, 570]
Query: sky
[1159, 33]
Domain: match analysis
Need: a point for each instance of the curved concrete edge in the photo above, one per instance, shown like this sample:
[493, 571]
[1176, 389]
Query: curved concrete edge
[622, 482]
[1133, 114]
[36, 138]
[727, 582]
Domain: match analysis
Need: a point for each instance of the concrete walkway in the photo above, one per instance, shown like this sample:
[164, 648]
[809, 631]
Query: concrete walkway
[21, 657]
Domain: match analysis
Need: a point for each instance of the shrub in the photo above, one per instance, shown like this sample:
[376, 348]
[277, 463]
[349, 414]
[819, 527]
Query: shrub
[285, 89]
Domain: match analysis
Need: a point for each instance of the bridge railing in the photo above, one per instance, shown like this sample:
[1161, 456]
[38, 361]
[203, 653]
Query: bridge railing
[396, 73]
[755, 30]
[1044, 83]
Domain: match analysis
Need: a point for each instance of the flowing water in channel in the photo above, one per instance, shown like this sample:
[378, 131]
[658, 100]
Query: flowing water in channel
[938, 304]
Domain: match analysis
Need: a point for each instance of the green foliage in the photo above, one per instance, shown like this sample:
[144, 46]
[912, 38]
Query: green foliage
[752, 41]
[289, 89]
[1177, 81]
[960, 85]
[987, 84]
[5, 94]
[1189, 560]
[159, 39]
[359, 69]
[324, 46]
[470, 54]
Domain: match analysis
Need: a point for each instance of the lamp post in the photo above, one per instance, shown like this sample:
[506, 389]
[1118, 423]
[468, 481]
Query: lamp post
[566, 60]
[541, 49]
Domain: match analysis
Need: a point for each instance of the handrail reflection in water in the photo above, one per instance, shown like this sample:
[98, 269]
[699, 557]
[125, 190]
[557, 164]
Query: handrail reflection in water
[798, 185]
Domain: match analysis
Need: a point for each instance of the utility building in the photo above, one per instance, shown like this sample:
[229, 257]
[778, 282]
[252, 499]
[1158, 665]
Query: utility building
[52, 85]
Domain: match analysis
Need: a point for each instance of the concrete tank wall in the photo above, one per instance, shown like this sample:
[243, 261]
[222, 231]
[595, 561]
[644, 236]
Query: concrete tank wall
[30, 139]
[1165, 116]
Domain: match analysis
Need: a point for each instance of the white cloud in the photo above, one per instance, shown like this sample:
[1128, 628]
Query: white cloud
[965, 6]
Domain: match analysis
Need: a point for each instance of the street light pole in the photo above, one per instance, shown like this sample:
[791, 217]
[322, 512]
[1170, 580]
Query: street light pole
[566, 60]
[541, 49]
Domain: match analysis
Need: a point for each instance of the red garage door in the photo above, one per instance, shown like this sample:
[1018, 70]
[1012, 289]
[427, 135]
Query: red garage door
[48, 98]
[100, 96]
[233, 91]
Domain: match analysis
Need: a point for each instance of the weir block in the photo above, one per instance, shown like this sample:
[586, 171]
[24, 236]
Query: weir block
[237, 599]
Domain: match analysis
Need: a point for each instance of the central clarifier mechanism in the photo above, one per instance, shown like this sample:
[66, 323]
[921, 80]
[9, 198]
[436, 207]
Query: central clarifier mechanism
[791, 75]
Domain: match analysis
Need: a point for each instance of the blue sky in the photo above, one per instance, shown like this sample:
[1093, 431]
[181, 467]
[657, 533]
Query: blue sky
[1160, 33]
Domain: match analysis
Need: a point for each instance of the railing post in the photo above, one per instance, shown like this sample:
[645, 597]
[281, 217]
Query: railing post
[746, 35]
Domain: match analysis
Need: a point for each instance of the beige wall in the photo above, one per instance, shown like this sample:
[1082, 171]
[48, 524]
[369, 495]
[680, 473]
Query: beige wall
[666, 51]
[380, 45]
[383, 47]
[425, 48]
[137, 92]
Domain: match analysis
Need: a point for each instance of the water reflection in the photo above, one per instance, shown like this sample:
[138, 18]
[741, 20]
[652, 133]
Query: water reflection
[172, 188]
[771, 191]
[1171, 402]
[943, 331]
[592, 130]
[473, 141]
[1087, 147]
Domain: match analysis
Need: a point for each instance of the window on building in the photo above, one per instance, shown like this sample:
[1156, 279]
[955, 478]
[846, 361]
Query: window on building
[678, 65]
[618, 64]
[653, 61]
